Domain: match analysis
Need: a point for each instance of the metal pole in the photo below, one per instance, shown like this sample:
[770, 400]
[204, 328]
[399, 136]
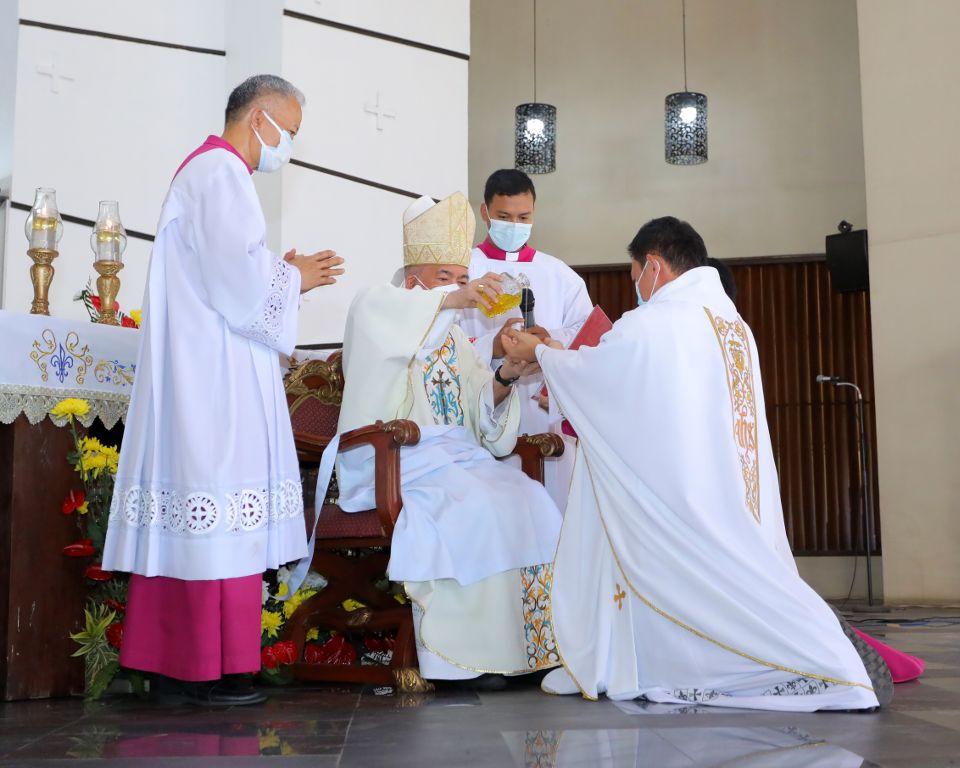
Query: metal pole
[865, 494]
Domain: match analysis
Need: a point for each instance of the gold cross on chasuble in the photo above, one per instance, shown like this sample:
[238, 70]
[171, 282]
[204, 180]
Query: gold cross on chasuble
[618, 597]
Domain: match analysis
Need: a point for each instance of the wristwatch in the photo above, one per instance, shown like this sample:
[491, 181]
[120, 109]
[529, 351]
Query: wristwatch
[501, 380]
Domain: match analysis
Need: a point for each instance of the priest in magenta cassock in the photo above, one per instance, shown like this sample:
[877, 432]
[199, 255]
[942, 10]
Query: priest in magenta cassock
[475, 534]
[561, 302]
[208, 492]
[673, 578]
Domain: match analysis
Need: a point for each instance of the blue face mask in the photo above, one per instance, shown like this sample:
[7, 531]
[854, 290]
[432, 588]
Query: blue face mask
[509, 236]
[636, 285]
[274, 158]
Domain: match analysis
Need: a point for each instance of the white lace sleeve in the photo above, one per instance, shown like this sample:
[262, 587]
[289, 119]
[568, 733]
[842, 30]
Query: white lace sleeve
[275, 323]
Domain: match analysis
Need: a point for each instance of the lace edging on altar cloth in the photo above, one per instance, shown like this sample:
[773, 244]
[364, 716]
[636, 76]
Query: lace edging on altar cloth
[35, 403]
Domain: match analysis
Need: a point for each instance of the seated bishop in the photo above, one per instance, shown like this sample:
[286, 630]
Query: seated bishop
[475, 537]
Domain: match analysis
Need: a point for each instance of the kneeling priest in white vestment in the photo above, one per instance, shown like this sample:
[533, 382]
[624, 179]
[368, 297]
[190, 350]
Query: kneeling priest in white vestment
[673, 578]
[475, 534]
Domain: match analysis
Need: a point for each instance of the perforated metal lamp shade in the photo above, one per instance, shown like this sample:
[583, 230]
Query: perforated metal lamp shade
[536, 138]
[685, 128]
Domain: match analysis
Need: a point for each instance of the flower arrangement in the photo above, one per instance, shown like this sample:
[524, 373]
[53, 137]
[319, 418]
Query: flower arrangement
[322, 646]
[92, 303]
[102, 634]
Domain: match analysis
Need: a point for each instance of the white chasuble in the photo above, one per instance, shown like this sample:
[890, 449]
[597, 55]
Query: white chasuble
[673, 578]
[209, 485]
[471, 528]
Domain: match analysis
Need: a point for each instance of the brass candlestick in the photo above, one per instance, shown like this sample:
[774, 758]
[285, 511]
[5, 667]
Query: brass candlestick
[43, 229]
[41, 274]
[108, 286]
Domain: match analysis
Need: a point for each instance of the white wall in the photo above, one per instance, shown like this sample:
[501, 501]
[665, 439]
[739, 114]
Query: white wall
[118, 124]
[421, 150]
[909, 61]
[781, 76]
[165, 101]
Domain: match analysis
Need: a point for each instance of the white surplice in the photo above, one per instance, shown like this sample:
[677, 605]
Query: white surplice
[673, 578]
[474, 532]
[209, 484]
[562, 304]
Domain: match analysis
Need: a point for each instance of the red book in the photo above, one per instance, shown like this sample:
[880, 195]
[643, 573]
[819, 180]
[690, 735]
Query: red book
[596, 324]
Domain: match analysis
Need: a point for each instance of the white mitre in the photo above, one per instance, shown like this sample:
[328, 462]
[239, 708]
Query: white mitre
[437, 233]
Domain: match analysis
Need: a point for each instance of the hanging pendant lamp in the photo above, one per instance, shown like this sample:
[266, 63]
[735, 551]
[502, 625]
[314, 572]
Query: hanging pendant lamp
[685, 119]
[535, 150]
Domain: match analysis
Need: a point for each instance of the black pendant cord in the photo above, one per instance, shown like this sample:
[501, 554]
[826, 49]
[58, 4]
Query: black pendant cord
[534, 51]
[685, 89]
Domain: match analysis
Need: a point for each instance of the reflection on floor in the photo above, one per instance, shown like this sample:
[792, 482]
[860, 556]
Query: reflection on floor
[350, 726]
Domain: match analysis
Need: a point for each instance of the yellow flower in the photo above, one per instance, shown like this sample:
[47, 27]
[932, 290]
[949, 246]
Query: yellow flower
[70, 407]
[313, 634]
[95, 463]
[90, 445]
[112, 456]
[136, 315]
[290, 607]
[350, 605]
[270, 623]
[269, 739]
[282, 589]
[83, 508]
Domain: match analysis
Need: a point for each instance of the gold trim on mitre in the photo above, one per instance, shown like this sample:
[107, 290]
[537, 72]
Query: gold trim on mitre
[441, 234]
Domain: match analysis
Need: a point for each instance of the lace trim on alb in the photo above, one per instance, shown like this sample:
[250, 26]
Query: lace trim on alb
[269, 326]
[199, 512]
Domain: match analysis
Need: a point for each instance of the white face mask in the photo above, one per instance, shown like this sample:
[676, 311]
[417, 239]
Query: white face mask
[636, 285]
[509, 236]
[446, 288]
[274, 158]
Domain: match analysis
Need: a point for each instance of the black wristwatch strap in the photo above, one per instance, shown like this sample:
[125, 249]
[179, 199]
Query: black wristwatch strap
[501, 380]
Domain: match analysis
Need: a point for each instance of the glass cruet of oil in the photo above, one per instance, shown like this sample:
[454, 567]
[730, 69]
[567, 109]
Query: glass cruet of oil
[512, 287]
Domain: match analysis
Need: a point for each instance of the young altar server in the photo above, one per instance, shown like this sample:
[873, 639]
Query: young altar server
[208, 491]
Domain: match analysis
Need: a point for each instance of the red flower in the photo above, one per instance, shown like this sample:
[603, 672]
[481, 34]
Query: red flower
[285, 651]
[378, 643]
[127, 322]
[114, 634]
[81, 548]
[115, 605]
[268, 658]
[335, 651]
[95, 300]
[95, 573]
[74, 500]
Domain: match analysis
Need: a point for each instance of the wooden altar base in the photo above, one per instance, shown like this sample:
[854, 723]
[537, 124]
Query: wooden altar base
[42, 592]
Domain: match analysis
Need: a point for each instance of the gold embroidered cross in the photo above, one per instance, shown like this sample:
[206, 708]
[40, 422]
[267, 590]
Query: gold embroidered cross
[618, 597]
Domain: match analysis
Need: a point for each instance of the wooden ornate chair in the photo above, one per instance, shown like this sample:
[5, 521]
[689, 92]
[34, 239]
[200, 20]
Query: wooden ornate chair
[353, 549]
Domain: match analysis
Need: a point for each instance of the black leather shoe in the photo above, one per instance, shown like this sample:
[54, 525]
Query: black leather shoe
[484, 683]
[214, 693]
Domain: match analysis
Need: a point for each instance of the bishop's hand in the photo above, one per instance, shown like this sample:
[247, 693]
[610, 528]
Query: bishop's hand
[482, 292]
[321, 268]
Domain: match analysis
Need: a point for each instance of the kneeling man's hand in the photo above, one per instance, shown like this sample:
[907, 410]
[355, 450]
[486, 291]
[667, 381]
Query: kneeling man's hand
[541, 333]
[520, 345]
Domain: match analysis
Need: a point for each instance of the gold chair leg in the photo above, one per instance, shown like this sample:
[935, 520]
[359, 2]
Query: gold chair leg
[408, 680]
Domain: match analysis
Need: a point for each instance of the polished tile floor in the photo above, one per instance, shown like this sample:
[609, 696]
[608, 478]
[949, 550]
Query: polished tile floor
[521, 727]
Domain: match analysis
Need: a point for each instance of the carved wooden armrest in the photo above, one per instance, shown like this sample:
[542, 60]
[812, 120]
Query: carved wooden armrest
[533, 449]
[386, 438]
